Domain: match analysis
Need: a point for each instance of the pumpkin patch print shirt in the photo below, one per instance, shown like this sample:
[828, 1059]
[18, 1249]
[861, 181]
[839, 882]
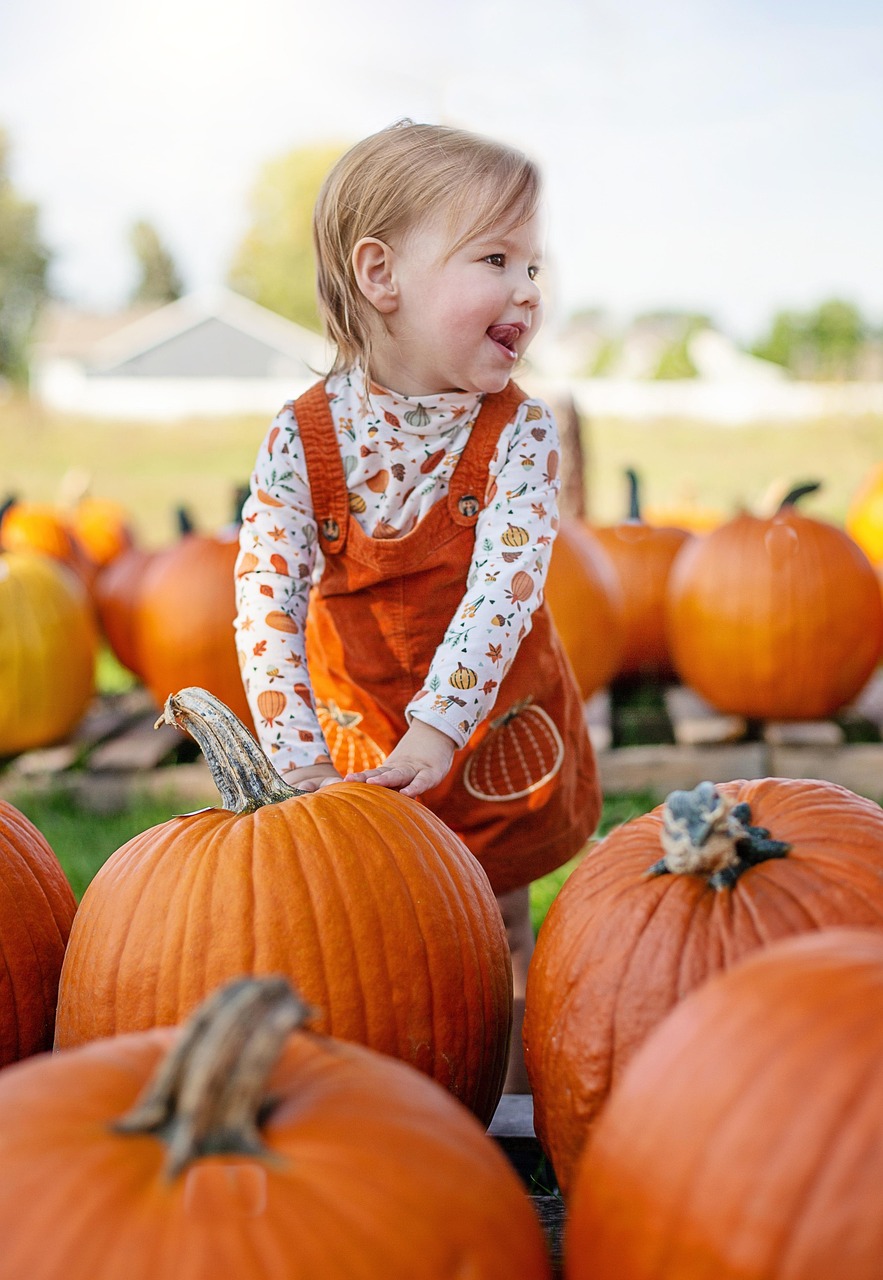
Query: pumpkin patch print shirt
[399, 454]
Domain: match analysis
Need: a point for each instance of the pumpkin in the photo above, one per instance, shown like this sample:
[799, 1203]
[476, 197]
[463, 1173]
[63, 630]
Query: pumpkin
[586, 602]
[745, 1139]
[642, 555]
[748, 863]
[37, 907]
[116, 590]
[775, 618]
[351, 749]
[362, 897]
[184, 616]
[103, 528]
[48, 648]
[864, 515]
[40, 526]
[244, 1145]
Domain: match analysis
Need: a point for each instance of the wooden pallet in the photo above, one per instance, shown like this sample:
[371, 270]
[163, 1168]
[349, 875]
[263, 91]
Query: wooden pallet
[116, 752]
[513, 1129]
[705, 744]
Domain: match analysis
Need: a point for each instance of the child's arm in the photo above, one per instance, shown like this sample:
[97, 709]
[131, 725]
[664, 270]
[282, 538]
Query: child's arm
[419, 761]
[273, 576]
[311, 777]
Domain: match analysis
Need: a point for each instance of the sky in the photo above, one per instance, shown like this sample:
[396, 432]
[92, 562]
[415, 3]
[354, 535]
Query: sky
[724, 156]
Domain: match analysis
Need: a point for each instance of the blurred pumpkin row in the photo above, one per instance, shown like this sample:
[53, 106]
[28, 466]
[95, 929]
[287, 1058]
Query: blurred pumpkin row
[766, 616]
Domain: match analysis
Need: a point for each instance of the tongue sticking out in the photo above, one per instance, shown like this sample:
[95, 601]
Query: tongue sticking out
[505, 334]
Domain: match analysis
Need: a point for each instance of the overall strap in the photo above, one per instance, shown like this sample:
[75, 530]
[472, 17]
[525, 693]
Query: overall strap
[466, 494]
[324, 467]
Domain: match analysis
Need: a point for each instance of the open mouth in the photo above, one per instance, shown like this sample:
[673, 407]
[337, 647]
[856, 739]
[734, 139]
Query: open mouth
[505, 336]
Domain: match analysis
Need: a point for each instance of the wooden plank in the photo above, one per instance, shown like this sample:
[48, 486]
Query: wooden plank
[859, 766]
[140, 746]
[662, 769]
[696, 723]
[551, 1212]
[802, 733]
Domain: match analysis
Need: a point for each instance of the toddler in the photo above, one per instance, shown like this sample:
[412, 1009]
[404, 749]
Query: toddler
[390, 619]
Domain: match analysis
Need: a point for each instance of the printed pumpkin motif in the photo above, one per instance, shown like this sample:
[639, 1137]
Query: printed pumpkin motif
[271, 704]
[515, 536]
[519, 756]
[463, 677]
[351, 749]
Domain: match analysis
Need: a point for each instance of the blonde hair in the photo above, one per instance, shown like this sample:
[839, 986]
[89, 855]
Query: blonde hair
[388, 183]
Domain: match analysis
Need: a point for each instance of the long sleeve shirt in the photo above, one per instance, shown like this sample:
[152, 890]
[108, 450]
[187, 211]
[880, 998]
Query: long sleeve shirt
[398, 453]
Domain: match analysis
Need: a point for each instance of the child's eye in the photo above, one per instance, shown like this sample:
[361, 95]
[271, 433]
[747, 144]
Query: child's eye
[533, 272]
[496, 259]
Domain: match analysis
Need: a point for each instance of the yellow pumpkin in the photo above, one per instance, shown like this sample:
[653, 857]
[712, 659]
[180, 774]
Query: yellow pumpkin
[48, 647]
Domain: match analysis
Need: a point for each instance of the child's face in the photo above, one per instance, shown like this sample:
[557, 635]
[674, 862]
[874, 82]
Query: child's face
[460, 321]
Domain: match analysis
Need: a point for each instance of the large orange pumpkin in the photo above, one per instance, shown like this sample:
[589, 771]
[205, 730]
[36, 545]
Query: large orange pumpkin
[242, 1146]
[184, 616]
[37, 907]
[775, 618]
[619, 947]
[745, 1140]
[372, 907]
[586, 602]
[48, 646]
[642, 555]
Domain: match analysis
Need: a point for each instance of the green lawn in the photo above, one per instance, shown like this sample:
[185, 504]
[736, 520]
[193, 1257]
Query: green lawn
[155, 468]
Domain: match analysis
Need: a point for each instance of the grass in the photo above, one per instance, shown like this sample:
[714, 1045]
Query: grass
[154, 468]
[83, 840]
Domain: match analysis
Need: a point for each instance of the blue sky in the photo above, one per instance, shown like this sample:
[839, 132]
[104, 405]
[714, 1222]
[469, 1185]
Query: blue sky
[724, 155]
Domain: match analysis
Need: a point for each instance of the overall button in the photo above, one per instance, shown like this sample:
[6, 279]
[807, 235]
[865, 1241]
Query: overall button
[330, 530]
[468, 505]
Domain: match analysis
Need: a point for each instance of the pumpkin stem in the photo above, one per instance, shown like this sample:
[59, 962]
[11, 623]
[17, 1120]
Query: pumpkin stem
[634, 495]
[799, 491]
[242, 773]
[706, 833]
[209, 1095]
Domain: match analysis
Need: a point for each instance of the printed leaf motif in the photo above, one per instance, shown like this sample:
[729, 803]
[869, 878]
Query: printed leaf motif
[534, 413]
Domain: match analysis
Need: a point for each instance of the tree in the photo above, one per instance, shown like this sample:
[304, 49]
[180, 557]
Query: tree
[275, 264]
[158, 280]
[24, 265]
[824, 343]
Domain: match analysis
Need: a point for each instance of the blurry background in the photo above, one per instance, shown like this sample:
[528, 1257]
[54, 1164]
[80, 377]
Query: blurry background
[713, 172]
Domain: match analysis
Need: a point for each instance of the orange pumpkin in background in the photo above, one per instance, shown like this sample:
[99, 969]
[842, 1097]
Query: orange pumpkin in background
[40, 526]
[184, 612]
[642, 555]
[775, 618]
[585, 600]
[103, 527]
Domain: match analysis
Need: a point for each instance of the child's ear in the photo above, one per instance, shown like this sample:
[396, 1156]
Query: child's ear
[373, 269]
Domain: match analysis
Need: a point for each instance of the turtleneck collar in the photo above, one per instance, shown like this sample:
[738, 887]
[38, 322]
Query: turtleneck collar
[425, 415]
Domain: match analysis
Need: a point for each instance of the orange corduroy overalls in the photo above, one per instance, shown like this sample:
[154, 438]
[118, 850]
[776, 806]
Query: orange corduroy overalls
[376, 618]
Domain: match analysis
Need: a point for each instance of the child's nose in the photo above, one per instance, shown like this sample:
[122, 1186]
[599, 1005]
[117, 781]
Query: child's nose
[528, 291]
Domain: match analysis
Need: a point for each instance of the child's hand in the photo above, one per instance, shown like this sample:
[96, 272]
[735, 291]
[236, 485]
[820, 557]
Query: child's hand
[419, 761]
[312, 776]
